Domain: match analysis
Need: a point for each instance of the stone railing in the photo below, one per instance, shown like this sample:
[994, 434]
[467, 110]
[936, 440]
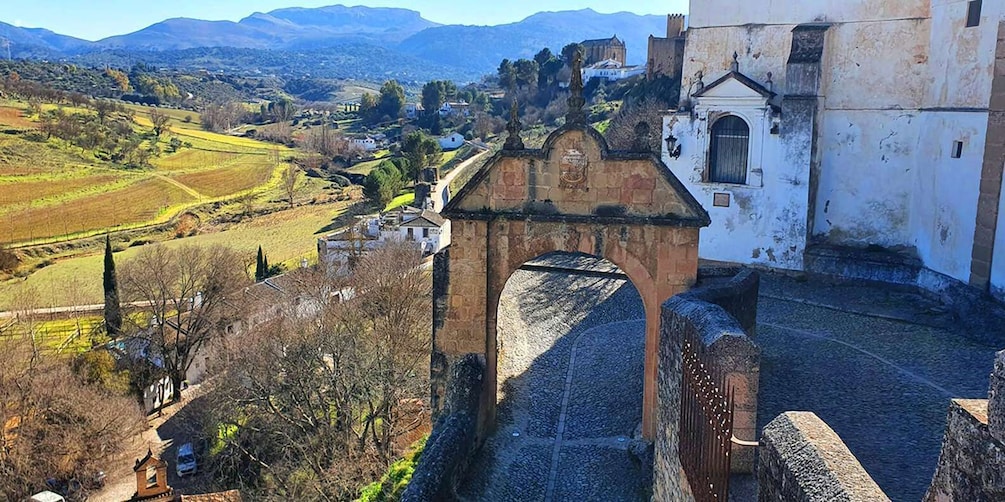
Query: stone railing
[453, 439]
[706, 313]
[734, 289]
[803, 460]
[972, 463]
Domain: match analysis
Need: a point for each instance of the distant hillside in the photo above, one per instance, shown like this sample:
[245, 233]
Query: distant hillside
[34, 42]
[279, 29]
[339, 42]
[482, 47]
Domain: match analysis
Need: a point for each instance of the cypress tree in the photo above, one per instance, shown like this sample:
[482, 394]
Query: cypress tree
[113, 311]
[265, 267]
[260, 265]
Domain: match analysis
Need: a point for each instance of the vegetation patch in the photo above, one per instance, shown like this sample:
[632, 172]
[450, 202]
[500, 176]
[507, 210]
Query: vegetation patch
[393, 483]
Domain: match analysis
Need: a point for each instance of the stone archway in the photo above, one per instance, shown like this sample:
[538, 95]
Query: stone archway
[572, 195]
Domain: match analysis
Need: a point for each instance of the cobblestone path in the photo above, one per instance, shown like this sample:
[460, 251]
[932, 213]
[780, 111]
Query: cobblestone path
[570, 366]
[879, 366]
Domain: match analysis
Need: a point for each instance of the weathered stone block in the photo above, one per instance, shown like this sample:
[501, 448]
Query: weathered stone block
[803, 460]
[996, 400]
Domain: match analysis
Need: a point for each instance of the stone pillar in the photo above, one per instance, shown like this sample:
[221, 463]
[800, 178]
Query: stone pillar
[996, 399]
[801, 104]
[991, 175]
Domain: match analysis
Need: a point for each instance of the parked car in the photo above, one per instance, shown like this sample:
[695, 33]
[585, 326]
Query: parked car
[186, 460]
[47, 496]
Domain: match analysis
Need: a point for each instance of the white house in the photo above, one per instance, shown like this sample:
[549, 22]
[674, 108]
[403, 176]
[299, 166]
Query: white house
[611, 70]
[413, 110]
[452, 142]
[842, 124]
[367, 143]
[455, 108]
[427, 229]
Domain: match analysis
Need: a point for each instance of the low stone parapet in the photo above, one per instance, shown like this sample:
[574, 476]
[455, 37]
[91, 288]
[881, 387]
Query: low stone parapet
[972, 463]
[803, 460]
[453, 439]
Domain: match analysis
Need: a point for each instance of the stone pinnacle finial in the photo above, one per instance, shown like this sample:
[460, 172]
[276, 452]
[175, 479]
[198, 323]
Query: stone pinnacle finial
[576, 100]
[513, 140]
[735, 65]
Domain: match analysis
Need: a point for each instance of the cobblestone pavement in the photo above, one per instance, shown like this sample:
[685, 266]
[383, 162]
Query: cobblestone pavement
[570, 371]
[877, 364]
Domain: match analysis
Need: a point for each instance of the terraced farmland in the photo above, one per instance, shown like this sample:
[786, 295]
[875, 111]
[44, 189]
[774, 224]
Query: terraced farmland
[51, 190]
[145, 201]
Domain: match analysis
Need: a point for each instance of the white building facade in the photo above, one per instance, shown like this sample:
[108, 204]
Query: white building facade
[611, 70]
[861, 123]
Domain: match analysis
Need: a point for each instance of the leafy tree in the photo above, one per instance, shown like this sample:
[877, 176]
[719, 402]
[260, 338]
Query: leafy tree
[421, 151]
[260, 267]
[526, 72]
[569, 51]
[282, 110]
[437, 92]
[507, 74]
[391, 100]
[112, 309]
[383, 184]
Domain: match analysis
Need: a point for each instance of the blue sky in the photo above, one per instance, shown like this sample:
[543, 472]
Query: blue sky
[96, 19]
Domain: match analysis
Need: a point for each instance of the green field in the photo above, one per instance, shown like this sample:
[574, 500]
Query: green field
[286, 237]
[51, 190]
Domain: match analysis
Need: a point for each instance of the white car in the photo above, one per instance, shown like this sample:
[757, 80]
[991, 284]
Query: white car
[186, 460]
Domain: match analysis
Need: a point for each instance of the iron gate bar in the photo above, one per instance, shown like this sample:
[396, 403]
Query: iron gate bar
[706, 431]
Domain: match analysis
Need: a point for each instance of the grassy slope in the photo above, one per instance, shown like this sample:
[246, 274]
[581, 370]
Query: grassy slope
[54, 191]
[285, 236]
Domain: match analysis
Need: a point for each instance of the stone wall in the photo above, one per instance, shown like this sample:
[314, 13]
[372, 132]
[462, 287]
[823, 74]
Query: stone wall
[804, 460]
[737, 295]
[972, 463]
[453, 439]
[728, 345]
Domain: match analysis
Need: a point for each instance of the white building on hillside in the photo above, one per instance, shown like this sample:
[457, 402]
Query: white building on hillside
[611, 70]
[367, 143]
[452, 142]
[875, 124]
[429, 231]
[455, 108]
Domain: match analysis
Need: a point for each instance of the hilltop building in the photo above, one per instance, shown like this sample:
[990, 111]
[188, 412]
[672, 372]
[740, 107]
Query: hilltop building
[666, 55]
[848, 136]
[611, 70]
[595, 51]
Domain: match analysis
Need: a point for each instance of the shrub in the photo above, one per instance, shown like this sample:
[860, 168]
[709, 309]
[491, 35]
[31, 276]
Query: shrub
[8, 260]
[393, 483]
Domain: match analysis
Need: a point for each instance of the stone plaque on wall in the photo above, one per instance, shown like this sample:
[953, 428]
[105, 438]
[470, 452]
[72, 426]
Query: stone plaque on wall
[573, 168]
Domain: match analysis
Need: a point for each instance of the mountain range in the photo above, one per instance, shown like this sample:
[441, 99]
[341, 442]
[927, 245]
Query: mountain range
[363, 33]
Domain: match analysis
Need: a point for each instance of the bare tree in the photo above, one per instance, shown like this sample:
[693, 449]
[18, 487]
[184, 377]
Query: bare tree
[161, 122]
[53, 424]
[621, 134]
[186, 292]
[329, 385]
[292, 184]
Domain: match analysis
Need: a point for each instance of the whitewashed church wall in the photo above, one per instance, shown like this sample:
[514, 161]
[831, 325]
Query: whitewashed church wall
[961, 62]
[730, 12]
[944, 204]
[765, 223]
[866, 178]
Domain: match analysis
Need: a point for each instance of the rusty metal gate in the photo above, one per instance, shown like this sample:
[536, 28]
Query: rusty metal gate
[706, 425]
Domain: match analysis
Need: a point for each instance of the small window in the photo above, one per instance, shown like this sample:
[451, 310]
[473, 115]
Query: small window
[957, 149]
[425, 233]
[730, 140]
[974, 13]
[411, 234]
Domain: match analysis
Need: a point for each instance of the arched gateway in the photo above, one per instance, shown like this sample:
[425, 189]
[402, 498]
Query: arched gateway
[574, 195]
